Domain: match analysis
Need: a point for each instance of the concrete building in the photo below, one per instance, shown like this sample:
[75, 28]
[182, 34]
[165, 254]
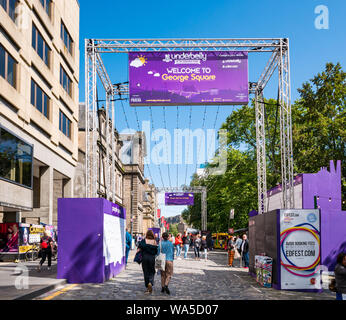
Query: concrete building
[117, 173]
[39, 75]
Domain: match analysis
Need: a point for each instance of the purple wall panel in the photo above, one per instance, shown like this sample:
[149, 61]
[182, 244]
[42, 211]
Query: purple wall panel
[80, 240]
[326, 185]
[333, 236]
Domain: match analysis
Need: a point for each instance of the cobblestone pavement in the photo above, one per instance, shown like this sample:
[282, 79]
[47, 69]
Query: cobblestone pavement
[192, 280]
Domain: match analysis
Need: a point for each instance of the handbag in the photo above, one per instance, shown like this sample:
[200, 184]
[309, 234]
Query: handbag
[332, 285]
[138, 257]
[160, 261]
[236, 254]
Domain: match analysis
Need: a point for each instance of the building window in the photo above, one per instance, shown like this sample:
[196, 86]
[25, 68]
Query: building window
[65, 36]
[40, 45]
[7, 66]
[65, 81]
[64, 124]
[39, 99]
[46, 4]
[15, 159]
[10, 7]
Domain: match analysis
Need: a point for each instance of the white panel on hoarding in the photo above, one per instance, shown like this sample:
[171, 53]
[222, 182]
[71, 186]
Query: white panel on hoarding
[300, 249]
[113, 239]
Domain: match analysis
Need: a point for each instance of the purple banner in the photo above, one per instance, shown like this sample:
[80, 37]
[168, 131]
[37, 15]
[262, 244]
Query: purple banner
[179, 199]
[188, 78]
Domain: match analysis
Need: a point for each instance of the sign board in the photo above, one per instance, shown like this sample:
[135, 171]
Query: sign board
[300, 249]
[188, 78]
[263, 267]
[231, 214]
[179, 199]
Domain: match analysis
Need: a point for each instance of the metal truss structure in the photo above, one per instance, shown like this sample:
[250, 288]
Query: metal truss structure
[202, 191]
[279, 59]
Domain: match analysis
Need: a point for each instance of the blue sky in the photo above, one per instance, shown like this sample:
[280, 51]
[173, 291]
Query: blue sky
[310, 48]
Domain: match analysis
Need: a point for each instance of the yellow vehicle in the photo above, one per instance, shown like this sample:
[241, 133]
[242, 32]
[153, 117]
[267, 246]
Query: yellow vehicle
[220, 240]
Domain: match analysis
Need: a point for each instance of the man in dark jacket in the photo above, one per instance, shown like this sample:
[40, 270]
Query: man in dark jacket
[340, 277]
[245, 251]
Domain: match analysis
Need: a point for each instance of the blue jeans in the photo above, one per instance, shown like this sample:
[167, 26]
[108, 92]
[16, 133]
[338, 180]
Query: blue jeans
[127, 254]
[338, 296]
[186, 249]
[246, 259]
[178, 251]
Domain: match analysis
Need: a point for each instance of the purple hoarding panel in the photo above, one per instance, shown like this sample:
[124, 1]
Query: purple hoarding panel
[80, 240]
[91, 240]
[179, 199]
[185, 78]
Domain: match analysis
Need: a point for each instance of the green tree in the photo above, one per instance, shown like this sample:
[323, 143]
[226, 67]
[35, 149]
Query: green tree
[173, 228]
[319, 122]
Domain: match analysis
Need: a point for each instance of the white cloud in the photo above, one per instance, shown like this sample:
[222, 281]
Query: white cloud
[136, 63]
[156, 74]
[150, 72]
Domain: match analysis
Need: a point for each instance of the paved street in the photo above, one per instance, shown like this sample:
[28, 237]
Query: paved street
[192, 280]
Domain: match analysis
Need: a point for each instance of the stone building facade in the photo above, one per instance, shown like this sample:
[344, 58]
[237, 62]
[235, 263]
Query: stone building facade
[117, 173]
[150, 206]
[132, 189]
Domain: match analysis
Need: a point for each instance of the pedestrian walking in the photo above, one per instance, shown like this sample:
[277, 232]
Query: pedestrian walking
[340, 277]
[186, 243]
[231, 250]
[197, 246]
[167, 248]
[157, 239]
[204, 247]
[245, 251]
[191, 240]
[178, 244]
[238, 242]
[128, 245]
[149, 249]
[46, 250]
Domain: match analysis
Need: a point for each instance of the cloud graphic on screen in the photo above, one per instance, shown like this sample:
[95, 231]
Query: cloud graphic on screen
[150, 72]
[156, 74]
[137, 63]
